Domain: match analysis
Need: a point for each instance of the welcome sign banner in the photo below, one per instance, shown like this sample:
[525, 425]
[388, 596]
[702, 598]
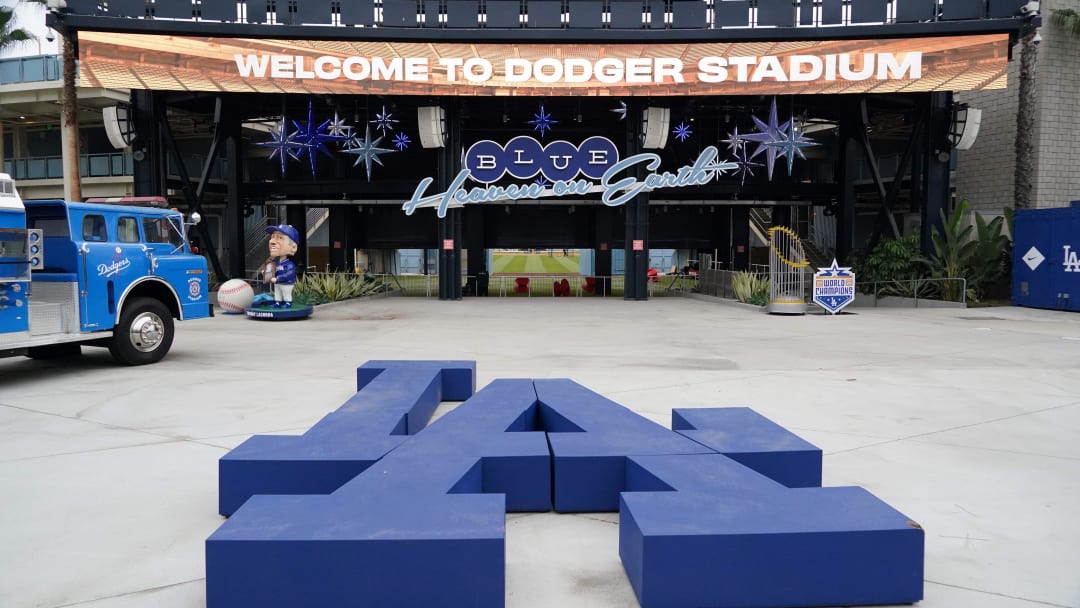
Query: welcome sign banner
[247, 65]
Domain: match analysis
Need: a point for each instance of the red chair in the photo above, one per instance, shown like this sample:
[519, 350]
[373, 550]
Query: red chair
[654, 275]
[590, 285]
[560, 289]
[521, 285]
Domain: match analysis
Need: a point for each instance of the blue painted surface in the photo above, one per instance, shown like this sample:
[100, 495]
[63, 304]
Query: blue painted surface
[697, 528]
[1055, 281]
[589, 465]
[393, 400]
[422, 527]
[753, 440]
[730, 537]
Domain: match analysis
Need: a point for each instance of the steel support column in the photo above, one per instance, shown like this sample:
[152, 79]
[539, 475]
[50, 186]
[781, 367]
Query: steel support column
[739, 239]
[450, 226]
[340, 226]
[938, 153]
[149, 159]
[637, 220]
[847, 169]
[234, 238]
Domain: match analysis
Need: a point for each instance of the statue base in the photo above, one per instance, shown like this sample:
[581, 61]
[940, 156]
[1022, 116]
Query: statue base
[268, 313]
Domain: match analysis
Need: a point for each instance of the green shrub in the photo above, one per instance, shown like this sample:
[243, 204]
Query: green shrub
[320, 288]
[894, 261]
[975, 253]
[751, 288]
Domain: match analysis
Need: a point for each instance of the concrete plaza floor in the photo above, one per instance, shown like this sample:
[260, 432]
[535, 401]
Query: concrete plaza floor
[967, 421]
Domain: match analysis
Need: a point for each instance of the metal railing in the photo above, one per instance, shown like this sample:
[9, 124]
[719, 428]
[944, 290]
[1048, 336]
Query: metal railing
[39, 68]
[535, 286]
[952, 290]
[118, 164]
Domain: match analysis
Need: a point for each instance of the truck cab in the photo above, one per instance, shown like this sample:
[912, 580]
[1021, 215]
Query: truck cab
[109, 275]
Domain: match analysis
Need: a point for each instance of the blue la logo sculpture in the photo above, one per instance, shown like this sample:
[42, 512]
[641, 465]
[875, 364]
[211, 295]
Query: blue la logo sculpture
[834, 287]
[373, 507]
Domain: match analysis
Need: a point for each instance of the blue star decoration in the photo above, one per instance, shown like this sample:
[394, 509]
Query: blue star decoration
[735, 141]
[401, 141]
[770, 133]
[311, 138]
[542, 122]
[283, 144]
[792, 144]
[366, 151]
[621, 110]
[682, 131]
[384, 121]
[542, 182]
[835, 270]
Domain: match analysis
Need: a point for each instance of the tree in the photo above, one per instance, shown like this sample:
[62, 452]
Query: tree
[1069, 20]
[9, 34]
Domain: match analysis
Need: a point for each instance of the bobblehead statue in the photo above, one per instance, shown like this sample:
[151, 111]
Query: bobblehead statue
[279, 272]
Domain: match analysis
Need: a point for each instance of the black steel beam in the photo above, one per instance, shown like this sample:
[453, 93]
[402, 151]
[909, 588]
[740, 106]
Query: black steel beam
[185, 185]
[62, 22]
[937, 154]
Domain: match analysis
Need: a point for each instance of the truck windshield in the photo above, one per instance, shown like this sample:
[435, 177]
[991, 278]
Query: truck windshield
[162, 230]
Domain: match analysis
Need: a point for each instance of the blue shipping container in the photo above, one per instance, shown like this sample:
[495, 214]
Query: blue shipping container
[1046, 258]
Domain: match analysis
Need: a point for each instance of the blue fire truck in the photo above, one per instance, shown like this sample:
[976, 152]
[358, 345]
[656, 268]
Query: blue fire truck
[110, 275]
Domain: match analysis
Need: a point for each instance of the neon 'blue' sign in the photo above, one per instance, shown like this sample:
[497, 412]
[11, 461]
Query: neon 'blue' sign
[595, 160]
[524, 158]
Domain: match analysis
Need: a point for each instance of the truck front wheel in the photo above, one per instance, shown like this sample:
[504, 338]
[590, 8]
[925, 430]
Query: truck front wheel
[144, 333]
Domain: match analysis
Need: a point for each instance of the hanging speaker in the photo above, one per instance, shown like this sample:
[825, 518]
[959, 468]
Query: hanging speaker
[432, 125]
[654, 127]
[119, 125]
[965, 127]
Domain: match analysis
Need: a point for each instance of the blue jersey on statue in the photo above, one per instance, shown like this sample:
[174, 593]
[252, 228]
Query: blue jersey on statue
[285, 272]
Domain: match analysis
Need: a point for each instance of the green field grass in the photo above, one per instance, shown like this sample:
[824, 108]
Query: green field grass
[526, 264]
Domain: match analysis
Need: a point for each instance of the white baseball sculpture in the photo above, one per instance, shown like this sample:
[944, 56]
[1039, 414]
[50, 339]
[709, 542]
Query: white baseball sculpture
[234, 296]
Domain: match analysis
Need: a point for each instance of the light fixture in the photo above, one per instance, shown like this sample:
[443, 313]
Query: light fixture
[965, 126]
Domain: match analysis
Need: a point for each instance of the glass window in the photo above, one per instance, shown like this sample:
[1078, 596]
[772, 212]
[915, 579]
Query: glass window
[161, 230]
[93, 228]
[127, 230]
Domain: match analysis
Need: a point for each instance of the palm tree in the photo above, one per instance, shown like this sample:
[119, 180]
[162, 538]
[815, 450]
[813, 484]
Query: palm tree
[10, 35]
[1069, 20]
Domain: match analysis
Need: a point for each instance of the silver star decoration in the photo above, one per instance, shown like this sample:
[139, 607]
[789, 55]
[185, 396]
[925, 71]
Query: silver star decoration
[542, 182]
[339, 127]
[745, 166]
[792, 145]
[770, 133]
[735, 141]
[621, 110]
[384, 121]
[283, 144]
[366, 151]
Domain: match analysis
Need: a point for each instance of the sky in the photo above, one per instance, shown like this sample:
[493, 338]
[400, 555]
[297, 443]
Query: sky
[30, 16]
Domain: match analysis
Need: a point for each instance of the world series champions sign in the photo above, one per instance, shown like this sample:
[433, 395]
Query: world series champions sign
[834, 288]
